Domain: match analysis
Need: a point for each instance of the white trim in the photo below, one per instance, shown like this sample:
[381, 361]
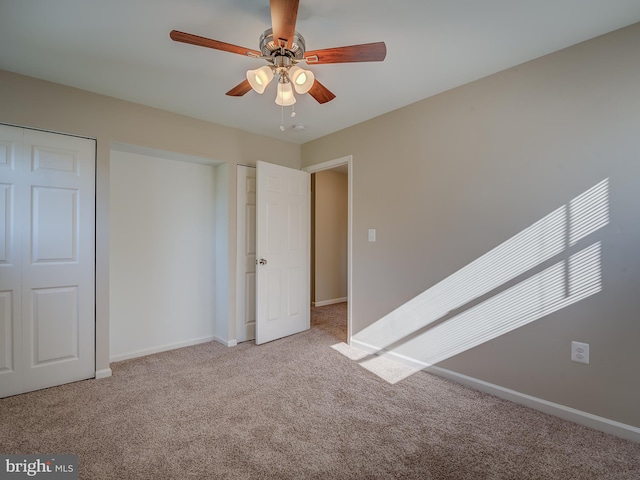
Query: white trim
[228, 343]
[349, 246]
[596, 422]
[348, 160]
[241, 266]
[104, 373]
[67, 134]
[324, 303]
[154, 152]
[161, 348]
[368, 347]
[328, 165]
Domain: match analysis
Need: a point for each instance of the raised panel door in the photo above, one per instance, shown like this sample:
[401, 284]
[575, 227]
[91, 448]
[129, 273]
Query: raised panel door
[47, 259]
[283, 252]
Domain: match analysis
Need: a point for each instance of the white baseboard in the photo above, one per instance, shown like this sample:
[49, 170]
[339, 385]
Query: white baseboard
[160, 348]
[104, 373]
[324, 303]
[596, 422]
[228, 343]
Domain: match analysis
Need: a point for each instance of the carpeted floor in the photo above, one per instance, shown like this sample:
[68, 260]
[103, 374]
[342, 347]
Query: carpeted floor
[295, 409]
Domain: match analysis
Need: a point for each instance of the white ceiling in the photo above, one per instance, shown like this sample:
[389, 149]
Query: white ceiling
[122, 48]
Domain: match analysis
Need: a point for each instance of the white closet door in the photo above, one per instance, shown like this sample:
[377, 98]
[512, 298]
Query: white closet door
[50, 275]
[11, 368]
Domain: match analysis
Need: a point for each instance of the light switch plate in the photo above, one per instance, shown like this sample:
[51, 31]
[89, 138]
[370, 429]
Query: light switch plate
[372, 234]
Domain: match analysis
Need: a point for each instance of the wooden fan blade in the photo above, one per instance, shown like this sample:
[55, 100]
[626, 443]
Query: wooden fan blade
[321, 93]
[240, 89]
[209, 43]
[367, 52]
[283, 21]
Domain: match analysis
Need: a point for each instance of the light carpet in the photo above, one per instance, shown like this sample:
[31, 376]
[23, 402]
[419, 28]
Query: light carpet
[298, 409]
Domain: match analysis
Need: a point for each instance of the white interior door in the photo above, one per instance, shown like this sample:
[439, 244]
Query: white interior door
[48, 256]
[282, 251]
[246, 287]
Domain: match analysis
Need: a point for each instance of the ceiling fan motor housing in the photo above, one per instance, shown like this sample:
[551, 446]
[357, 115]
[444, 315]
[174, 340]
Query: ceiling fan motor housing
[269, 46]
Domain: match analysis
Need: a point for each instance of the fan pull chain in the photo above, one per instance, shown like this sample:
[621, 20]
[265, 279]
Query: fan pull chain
[293, 111]
[282, 118]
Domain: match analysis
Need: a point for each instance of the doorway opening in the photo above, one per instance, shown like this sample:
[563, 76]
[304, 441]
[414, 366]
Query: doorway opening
[331, 238]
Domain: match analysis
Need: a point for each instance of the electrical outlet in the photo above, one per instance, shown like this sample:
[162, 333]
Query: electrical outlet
[580, 352]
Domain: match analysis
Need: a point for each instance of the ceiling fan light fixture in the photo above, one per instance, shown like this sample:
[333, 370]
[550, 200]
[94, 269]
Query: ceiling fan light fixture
[302, 79]
[283, 48]
[260, 78]
[285, 97]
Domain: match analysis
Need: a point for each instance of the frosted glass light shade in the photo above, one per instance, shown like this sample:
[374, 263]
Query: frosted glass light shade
[259, 78]
[285, 97]
[302, 79]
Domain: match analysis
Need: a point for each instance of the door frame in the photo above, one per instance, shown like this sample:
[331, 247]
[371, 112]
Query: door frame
[240, 278]
[347, 160]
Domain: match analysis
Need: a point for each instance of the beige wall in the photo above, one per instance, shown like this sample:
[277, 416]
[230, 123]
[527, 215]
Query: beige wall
[449, 178]
[330, 219]
[34, 103]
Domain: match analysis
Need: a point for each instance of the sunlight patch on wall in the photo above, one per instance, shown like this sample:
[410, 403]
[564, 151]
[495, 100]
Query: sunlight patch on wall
[530, 300]
[541, 241]
[573, 277]
[589, 212]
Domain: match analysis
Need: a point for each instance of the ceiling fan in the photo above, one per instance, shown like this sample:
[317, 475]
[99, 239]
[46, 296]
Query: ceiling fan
[283, 48]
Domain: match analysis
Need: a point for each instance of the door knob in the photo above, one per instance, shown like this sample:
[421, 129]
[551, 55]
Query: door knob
[262, 261]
